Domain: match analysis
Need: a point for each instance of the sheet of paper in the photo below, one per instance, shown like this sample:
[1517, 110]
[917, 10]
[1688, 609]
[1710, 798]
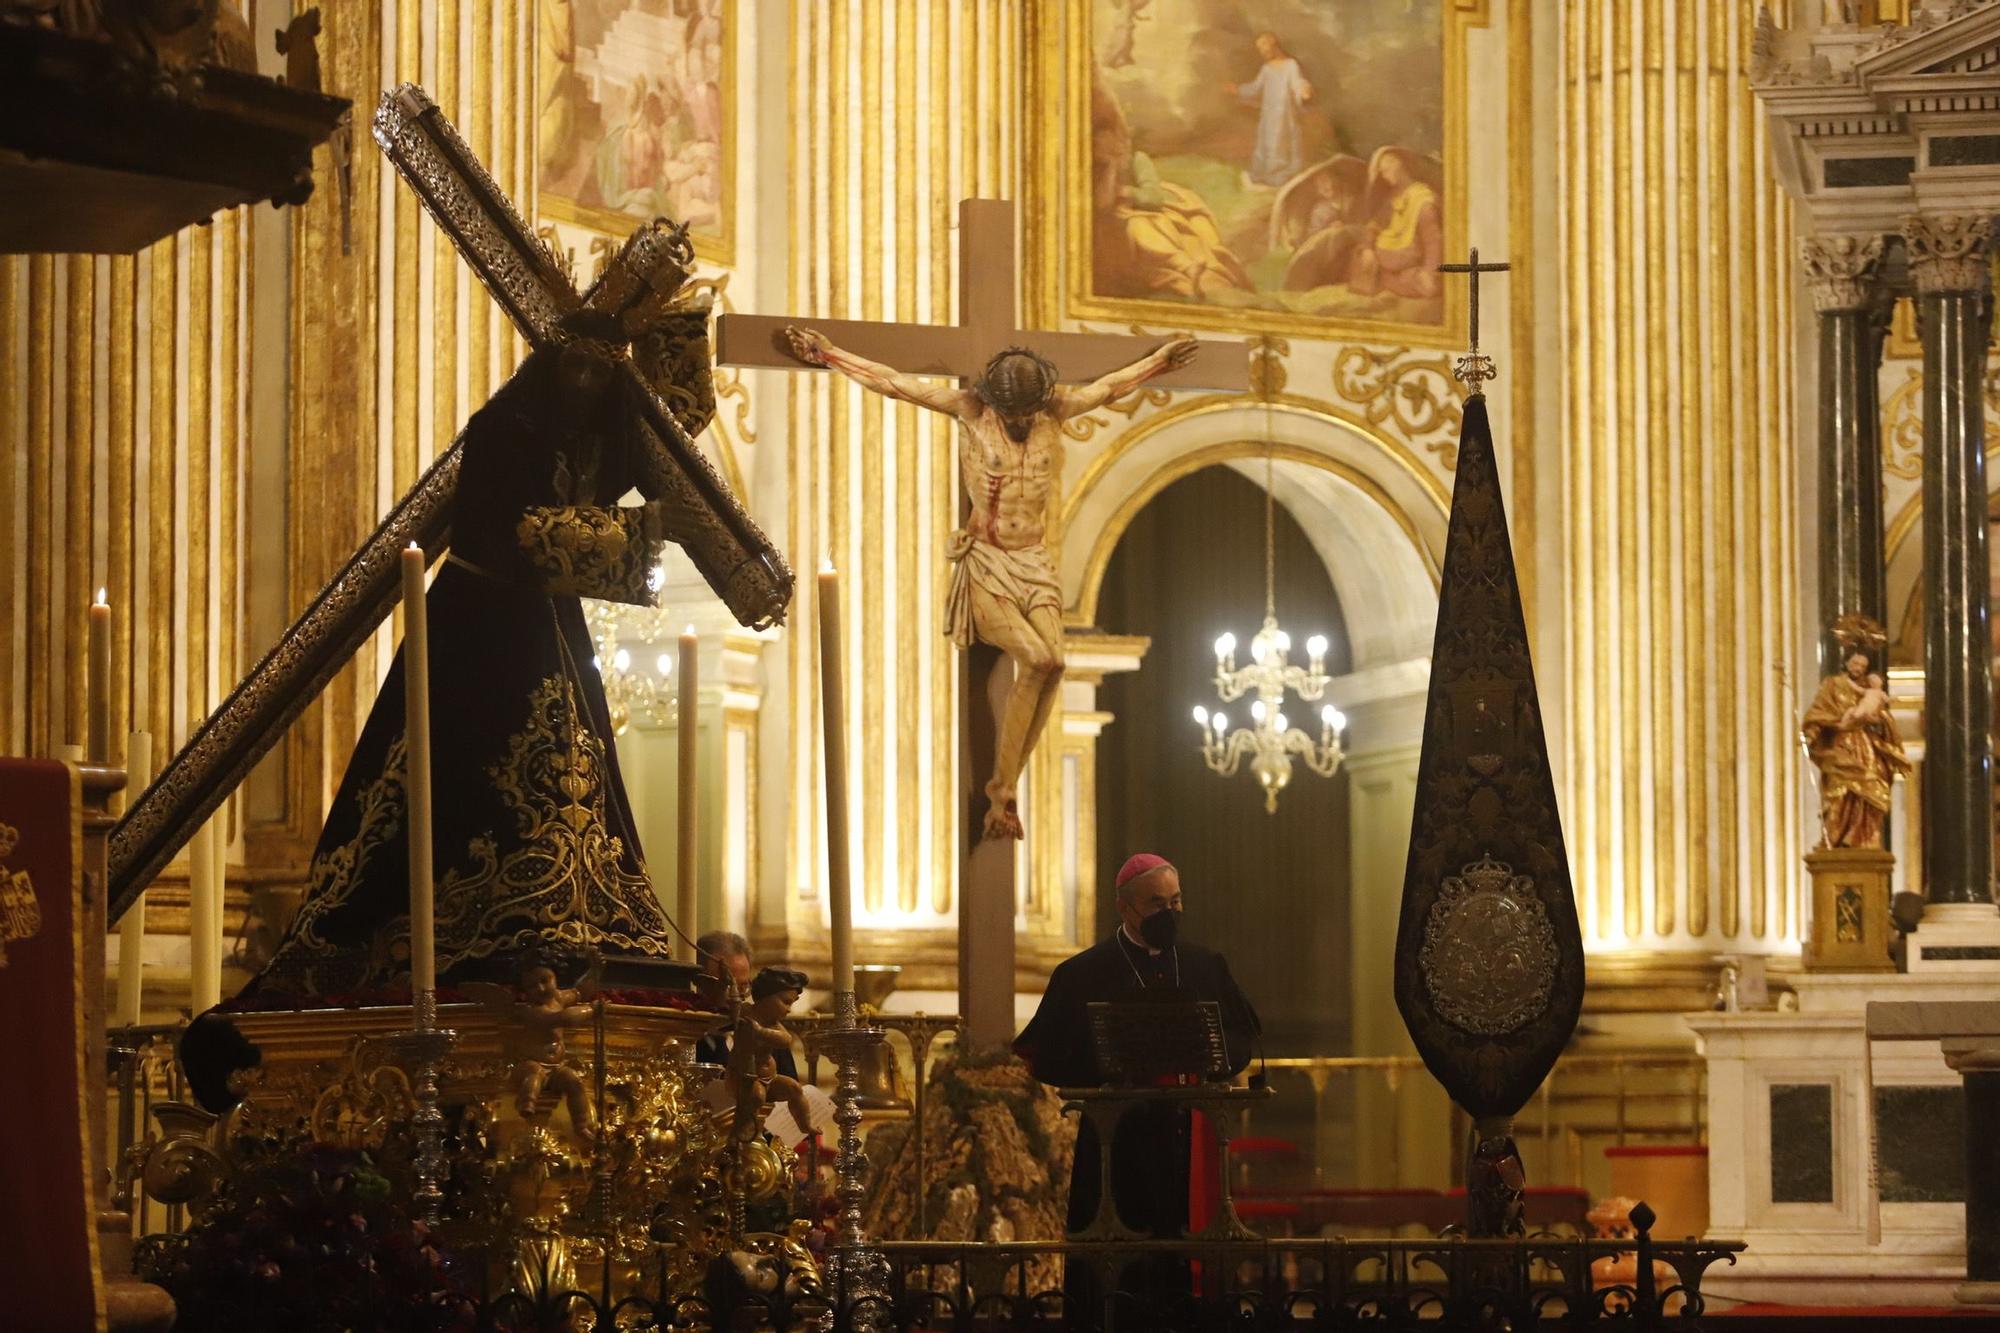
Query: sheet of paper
[782, 1126]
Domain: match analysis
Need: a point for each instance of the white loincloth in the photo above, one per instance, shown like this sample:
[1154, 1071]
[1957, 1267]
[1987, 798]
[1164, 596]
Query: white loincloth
[1026, 578]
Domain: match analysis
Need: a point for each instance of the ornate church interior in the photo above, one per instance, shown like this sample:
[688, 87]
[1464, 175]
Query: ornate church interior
[955, 664]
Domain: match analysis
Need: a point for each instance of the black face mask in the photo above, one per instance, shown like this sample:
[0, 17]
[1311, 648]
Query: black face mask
[1159, 929]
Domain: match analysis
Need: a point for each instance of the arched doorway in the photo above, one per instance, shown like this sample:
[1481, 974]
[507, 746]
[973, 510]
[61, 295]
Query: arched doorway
[1269, 890]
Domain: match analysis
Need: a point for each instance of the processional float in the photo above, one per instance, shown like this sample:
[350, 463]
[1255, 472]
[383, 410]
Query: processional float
[652, 1185]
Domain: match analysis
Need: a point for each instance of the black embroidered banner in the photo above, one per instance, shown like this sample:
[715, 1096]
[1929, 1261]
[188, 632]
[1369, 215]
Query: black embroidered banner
[1489, 959]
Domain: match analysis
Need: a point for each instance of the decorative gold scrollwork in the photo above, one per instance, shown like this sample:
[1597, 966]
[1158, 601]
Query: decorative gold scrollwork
[1409, 391]
[1903, 422]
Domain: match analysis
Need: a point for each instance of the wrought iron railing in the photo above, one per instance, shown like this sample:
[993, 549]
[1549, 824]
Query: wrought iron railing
[1243, 1287]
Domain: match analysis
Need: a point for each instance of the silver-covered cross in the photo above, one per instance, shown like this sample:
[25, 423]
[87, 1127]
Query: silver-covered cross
[732, 554]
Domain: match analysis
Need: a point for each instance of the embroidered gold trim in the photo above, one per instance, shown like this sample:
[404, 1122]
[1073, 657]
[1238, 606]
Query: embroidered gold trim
[590, 551]
[565, 881]
[20, 910]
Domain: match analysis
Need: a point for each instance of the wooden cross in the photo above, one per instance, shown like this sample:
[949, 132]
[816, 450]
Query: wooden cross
[1472, 367]
[987, 323]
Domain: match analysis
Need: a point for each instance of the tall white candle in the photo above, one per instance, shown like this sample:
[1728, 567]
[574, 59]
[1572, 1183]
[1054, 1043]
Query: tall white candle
[132, 926]
[417, 740]
[205, 916]
[688, 726]
[97, 684]
[833, 696]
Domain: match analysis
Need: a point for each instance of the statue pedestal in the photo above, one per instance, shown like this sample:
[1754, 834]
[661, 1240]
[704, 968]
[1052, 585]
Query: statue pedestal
[1850, 910]
[1791, 1098]
[1956, 939]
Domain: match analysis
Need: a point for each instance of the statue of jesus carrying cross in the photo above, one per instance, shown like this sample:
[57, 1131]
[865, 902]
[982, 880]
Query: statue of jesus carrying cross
[1004, 589]
[1003, 385]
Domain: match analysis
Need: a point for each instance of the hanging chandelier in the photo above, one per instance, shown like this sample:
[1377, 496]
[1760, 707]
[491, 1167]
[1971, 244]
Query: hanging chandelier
[1270, 742]
[632, 691]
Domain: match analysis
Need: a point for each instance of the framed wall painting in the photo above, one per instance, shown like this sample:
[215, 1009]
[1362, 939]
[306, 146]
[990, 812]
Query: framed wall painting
[1294, 166]
[635, 116]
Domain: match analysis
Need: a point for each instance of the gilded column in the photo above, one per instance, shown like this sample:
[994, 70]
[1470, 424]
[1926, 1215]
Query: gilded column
[1676, 524]
[1947, 259]
[1842, 273]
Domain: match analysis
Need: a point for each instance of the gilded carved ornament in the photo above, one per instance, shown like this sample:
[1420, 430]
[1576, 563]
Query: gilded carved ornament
[1083, 427]
[1903, 422]
[1947, 251]
[1408, 391]
[1841, 270]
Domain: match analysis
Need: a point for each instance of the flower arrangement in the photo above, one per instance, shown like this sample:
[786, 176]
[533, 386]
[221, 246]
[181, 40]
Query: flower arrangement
[311, 1242]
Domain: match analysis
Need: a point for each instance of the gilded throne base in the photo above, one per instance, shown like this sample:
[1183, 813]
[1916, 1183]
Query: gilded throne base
[547, 1203]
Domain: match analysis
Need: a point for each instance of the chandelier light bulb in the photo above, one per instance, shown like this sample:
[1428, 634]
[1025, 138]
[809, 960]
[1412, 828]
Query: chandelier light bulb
[1281, 723]
[1200, 716]
[1221, 721]
[621, 660]
[1284, 642]
[1260, 648]
[1328, 714]
[1257, 710]
[665, 664]
[1316, 645]
[1225, 645]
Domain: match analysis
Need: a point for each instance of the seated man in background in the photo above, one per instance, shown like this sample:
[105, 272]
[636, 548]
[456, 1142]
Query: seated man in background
[724, 955]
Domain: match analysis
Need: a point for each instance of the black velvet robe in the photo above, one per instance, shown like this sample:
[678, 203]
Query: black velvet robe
[534, 841]
[1149, 1160]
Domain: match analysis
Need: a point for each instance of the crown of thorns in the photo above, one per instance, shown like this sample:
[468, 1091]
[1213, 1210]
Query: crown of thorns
[986, 389]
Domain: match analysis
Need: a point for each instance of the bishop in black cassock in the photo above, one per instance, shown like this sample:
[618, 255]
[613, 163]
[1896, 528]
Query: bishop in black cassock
[1149, 1160]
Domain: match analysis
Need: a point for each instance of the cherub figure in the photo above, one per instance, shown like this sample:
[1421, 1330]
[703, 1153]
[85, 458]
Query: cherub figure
[1874, 701]
[539, 1009]
[753, 1074]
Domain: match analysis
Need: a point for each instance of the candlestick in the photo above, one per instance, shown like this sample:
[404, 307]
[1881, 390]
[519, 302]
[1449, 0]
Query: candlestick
[833, 710]
[97, 684]
[688, 728]
[132, 926]
[417, 750]
[204, 919]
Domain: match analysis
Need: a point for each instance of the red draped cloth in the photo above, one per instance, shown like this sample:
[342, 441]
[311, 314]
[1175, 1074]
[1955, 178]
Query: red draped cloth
[48, 1236]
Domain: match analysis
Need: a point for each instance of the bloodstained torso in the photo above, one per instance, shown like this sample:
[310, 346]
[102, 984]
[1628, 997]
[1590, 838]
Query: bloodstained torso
[1007, 480]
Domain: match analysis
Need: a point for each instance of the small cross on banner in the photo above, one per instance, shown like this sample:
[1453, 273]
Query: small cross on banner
[1473, 368]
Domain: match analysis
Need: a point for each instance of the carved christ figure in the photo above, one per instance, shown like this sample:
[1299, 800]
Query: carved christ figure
[1004, 589]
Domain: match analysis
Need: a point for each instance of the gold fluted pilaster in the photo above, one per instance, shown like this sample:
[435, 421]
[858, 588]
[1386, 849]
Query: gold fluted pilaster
[939, 489]
[41, 738]
[1679, 520]
[13, 460]
[79, 448]
[874, 679]
[902, 108]
[909, 648]
[163, 353]
[120, 367]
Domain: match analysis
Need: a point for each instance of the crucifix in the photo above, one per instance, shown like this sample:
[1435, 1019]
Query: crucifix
[1473, 368]
[1014, 388]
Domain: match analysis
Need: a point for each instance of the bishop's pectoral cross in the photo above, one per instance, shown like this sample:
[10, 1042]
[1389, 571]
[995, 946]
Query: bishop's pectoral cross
[1010, 400]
